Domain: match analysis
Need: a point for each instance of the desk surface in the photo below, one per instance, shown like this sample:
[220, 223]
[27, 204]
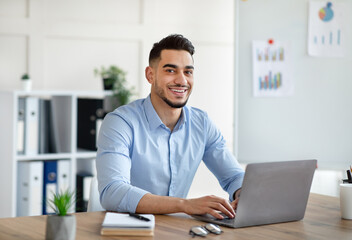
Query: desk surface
[322, 221]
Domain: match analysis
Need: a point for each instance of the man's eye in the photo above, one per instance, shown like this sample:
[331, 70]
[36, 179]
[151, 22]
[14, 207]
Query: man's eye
[170, 70]
[189, 72]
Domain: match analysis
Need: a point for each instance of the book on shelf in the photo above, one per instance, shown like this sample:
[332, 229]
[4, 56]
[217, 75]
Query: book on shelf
[37, 182]
[90, 114]
[35, 126]
[121, 224]
[30, 188]
[47, 141]
[83, 181]
[21, 124]
[31, 126]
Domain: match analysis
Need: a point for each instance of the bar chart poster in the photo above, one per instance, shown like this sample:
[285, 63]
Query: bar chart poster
[326, 30]
[271, 69]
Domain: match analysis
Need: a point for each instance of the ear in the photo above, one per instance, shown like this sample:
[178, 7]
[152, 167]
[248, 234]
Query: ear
[149, 74]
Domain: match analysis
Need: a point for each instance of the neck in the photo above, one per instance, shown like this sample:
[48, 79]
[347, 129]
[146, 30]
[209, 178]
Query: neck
[168, 115]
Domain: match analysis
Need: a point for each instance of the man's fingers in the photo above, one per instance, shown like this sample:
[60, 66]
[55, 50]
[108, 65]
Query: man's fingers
[210, 204]
[220, 207]
[216, 214]
[234, 203]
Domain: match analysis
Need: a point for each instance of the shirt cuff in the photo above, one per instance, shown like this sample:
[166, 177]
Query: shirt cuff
[236, 184]
[131, 200]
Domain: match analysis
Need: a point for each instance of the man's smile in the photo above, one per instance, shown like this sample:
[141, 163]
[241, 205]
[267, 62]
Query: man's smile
[179, 91]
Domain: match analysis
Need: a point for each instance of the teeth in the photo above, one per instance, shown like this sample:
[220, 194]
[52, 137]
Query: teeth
[180, 91]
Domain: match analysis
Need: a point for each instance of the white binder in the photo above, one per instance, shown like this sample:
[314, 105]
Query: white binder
[63, 175]
[30, 188]
[32, 126]
[20, 125]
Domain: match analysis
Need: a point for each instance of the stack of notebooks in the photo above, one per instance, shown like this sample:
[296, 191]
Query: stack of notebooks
[118, 224]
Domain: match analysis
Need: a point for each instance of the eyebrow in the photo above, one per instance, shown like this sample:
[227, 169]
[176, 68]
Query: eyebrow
[175, 66]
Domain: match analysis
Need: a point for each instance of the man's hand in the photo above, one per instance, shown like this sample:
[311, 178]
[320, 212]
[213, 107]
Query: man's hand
[209, 204]
[235, 203]
[237, 198]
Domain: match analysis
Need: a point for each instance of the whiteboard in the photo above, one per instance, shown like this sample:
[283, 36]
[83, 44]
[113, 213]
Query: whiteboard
[316, 121]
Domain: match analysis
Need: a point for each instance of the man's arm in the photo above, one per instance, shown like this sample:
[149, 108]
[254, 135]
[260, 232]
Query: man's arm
[163, 205]
[114, 165]
[222, 163]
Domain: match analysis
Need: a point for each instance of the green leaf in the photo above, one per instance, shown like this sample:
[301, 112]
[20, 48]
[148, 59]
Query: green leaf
[117, 78]
[62, 202]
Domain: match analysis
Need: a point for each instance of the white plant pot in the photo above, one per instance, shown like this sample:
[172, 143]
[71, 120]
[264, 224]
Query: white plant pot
[60, 227]
[27, 85]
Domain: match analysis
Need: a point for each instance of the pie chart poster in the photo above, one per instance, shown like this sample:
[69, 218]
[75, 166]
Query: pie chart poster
[326, 30]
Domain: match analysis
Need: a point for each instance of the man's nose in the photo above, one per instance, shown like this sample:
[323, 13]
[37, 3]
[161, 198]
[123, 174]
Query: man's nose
[181, 79]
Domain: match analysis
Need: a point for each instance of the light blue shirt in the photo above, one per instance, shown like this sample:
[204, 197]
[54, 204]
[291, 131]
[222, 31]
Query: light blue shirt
[138, 154]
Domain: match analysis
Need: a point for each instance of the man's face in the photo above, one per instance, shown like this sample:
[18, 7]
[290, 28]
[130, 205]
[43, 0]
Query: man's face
[172, 79]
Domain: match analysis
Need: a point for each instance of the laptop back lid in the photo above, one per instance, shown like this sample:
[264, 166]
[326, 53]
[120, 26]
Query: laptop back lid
[274, 192]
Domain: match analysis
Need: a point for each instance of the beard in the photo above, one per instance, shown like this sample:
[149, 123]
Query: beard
[160, 92]
[173, 105]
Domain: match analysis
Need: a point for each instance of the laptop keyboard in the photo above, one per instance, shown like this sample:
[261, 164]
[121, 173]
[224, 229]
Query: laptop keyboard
[226, 219]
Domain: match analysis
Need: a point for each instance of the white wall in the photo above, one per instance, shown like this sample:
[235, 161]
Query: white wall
[60, 43]
[314, 123]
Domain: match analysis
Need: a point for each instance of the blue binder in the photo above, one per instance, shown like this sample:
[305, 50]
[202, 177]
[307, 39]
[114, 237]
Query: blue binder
[50, 185]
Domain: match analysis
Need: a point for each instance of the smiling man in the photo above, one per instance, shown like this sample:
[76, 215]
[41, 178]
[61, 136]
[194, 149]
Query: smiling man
[150, 149]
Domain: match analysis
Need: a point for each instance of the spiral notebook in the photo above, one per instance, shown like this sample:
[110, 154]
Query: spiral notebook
[120, 224]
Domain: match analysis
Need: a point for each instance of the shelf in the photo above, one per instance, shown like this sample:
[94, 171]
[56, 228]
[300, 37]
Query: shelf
[81, 153]
[64, 115]
[47, 156]
[39, 93]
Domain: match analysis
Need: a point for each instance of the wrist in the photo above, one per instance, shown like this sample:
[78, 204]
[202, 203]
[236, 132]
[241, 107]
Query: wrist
[181, 205]
[237, 194]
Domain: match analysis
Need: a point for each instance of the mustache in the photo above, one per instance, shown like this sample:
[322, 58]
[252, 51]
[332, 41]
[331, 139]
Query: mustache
[180, 86]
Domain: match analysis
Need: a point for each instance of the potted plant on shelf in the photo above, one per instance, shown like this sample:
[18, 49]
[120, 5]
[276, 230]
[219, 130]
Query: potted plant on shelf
[26, 82]
[61, 225]
[114, 78]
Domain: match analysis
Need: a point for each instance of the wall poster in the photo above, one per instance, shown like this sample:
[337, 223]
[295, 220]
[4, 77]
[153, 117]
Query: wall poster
[272, 75]
[326, 36]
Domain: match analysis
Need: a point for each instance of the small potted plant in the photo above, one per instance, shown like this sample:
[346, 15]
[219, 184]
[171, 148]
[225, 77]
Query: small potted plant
[114, 79]
[26, 82]
[61, 225]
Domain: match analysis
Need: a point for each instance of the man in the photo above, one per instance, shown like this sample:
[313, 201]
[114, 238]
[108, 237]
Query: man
[150, 149]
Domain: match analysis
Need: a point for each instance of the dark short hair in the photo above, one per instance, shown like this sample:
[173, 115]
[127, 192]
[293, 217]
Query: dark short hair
[174, 42]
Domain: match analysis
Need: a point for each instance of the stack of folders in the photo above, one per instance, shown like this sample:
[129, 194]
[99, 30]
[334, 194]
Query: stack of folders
[90, 114]
[37, 181]
[36, 126]
[118, 224]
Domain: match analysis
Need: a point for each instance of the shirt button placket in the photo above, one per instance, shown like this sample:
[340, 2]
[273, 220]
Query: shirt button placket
[173, 167]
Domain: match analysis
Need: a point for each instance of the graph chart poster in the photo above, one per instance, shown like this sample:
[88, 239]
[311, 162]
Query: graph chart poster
[326, 36]
[271, 69]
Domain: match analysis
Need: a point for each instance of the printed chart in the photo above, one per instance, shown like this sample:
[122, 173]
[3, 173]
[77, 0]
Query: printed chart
[326, 29]
[271, 69]
[270, 81]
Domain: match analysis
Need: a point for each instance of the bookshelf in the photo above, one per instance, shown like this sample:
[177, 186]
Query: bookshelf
[66, 120]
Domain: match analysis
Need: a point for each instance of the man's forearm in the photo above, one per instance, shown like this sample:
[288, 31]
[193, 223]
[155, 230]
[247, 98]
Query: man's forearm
[155, 204]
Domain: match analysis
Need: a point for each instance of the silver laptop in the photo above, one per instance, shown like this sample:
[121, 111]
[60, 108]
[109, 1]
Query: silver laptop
[271, 192]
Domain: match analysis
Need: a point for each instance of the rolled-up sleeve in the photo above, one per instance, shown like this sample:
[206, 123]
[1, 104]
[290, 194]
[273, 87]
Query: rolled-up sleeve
[114, 165]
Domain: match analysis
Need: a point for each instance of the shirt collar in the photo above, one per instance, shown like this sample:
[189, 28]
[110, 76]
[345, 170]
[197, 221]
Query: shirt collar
[154, 119]
[181, 120]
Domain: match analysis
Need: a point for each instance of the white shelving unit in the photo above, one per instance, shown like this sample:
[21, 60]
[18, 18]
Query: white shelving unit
[67, 139]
